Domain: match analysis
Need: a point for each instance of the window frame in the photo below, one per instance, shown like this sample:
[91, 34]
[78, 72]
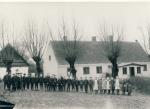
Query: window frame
[85, 70]
[145, 67]
[97, 69]
[124, 70]
[139, 70]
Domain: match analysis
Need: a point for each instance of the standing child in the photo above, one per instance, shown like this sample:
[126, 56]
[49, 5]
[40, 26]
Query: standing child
[108, 85]
[96, 85]
[117, 85]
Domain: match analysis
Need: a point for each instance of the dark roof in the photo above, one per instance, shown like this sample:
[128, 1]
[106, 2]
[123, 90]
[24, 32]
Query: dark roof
[18, 60]
[92, 53]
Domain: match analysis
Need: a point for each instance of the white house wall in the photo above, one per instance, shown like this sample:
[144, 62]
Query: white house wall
[62, 70]
[14, 70]
[143, 73]
[50, 65]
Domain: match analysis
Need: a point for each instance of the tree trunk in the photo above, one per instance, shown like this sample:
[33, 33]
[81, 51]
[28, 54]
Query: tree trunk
[37, 60]
[38, 68]
[114, 68]
[73, 70]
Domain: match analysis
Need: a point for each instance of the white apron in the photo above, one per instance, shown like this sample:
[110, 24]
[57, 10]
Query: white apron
[117, 84]
[95, 85]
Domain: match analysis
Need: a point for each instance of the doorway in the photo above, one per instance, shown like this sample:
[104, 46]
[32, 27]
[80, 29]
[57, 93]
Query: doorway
[132, 71]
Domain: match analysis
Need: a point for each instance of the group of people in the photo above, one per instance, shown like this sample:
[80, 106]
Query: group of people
[104, 85]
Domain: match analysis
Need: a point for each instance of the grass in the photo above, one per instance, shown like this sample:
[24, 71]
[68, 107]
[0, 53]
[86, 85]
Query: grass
[141, 84]
[73, 100]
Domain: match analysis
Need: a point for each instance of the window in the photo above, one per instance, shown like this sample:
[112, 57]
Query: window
[86, 70]
[145, 68]
[99, 69]
[109, 66]
[138, 70]
[49, 57]
[124, 70]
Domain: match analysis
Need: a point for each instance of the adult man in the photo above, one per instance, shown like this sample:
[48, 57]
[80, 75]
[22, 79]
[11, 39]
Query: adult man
[86, 85]
[32, 83]
[81, 84]
[36, 81]
[28, 81]
[13, 82]
[54, 83]
[24, 81]
[100, 85]
[112, 85]
[41, 83]
[68, 84]
[91, 83]
[77, 83]
[59, 84]
[7, 81]
[64, 84]
[46, 83]
[73, 84]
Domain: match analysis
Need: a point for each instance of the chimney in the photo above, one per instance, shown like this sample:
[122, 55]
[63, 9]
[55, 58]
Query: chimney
[94, 38]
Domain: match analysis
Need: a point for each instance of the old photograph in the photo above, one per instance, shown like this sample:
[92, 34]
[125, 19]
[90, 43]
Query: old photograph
[74, 55]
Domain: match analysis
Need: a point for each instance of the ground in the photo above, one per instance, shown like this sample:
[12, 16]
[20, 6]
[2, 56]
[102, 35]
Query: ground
[72, 100]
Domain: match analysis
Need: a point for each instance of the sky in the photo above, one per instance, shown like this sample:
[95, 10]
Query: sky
[132, 16]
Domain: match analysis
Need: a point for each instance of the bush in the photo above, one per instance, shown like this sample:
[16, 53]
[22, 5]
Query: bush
[141, 84]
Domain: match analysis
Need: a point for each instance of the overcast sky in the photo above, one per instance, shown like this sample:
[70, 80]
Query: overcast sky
[130, 15]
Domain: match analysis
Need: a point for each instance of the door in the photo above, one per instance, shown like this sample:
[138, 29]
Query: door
[132, 71]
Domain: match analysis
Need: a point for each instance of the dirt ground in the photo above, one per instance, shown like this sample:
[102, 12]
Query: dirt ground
[73, 100]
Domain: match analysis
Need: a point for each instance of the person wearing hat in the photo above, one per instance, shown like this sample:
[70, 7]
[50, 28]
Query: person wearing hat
[100, 84]
[81, 84]
[24, 81]
[68, 84]
[13, 83]
[77, 83]
[55, 83]
[28, 81]
[41, 82]
[5, 79]
[32, 83]
[86, 83]
[91, 83]
[112, 85]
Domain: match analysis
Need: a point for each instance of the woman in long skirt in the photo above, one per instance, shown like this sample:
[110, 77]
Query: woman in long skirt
[108, 85]
[104, 85]
[117, 85]
[96, 85]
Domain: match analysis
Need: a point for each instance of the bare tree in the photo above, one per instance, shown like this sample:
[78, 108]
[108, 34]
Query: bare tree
[21, 50]
[68, 44]
[146, 38]
[35, 41]
[7, 51]
[111, 39]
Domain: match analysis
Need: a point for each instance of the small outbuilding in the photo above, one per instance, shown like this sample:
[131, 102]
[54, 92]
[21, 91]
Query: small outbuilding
[19, 64]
